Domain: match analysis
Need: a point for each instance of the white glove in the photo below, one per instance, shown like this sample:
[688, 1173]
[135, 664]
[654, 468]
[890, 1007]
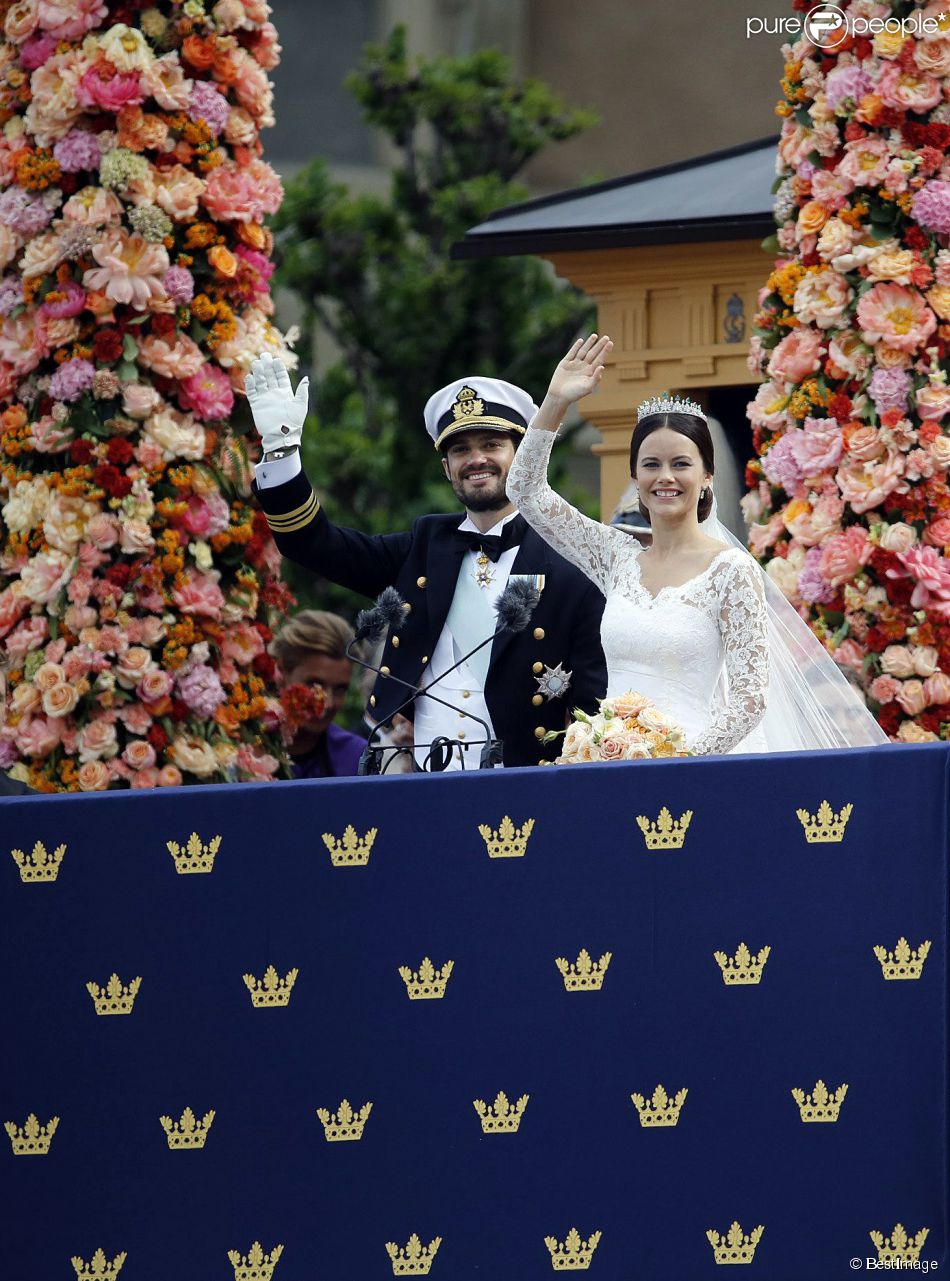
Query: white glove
[279, 412]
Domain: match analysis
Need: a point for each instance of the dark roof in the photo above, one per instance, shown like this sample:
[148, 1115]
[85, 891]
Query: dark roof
[725, 195]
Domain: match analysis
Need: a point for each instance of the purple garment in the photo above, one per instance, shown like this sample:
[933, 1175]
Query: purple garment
[337, 756]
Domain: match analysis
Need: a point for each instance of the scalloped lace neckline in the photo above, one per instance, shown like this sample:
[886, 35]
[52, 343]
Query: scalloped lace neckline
[670, 587]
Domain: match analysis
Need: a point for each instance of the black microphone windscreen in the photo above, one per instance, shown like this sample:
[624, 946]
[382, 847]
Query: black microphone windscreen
[370, 625]
[392, 608]
[516, 604]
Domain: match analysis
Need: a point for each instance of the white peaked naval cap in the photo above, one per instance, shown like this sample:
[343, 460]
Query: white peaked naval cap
[470, 403]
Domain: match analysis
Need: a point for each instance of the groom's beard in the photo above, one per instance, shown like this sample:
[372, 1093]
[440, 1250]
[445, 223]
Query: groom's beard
[490, 497]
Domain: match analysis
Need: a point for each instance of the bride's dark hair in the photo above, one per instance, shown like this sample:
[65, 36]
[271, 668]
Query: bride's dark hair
[694, 429]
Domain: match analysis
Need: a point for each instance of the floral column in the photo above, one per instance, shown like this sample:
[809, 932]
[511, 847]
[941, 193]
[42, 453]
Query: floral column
[137, 582]
[849, 502]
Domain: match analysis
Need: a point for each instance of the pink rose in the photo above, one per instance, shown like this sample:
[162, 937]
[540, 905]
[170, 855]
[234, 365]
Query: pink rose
[169, 776]
[911, 697]
[155, 684]
[93, 776]
[937, 533]
[937, 688]
[79, 616]
[139, 754]
[200, 594]
[145, 778]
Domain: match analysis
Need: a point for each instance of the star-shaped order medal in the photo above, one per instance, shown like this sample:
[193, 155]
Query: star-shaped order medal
[484, 574]
[554, 681]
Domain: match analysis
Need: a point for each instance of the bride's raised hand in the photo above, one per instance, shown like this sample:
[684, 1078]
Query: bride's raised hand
[578, 374]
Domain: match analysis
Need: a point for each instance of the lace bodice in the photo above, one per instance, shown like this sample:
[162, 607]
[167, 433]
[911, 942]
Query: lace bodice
[675, 646]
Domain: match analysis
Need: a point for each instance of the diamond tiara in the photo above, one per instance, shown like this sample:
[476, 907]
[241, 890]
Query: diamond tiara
[667, 404]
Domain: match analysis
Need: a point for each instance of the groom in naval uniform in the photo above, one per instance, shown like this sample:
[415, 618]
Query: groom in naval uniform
[449, 573]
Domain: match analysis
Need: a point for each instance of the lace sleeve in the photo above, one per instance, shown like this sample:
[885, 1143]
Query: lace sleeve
[743, 625]
[586, 543]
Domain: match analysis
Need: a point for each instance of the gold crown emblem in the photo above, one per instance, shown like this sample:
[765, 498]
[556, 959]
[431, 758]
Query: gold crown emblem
[255, 1265]
[196, 856]
[899, 1247]
[116, 997]
[743, 967]
[99, 1268]
[272, 990]
[666, 833]
[351, 850]
[427, 983]
[583, 975]
[31, 1138]
[413, 1259]
[820, 1105]
[38, 865]
[825, 827]
[509, 841]
[467, 405]
[501, 1117]
[344, 1124]
[660, 1109]
[736, 1246]
[189, 1133]
[904, 962]
[573, 1254]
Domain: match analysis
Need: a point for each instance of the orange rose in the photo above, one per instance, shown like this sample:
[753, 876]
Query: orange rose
[223, 261]
[811, 218]
[200, 53]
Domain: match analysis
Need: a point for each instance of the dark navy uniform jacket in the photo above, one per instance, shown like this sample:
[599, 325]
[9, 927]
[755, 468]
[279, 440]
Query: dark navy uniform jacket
[423, 566]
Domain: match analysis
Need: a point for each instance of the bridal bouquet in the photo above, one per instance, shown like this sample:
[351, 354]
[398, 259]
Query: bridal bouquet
[626, 728]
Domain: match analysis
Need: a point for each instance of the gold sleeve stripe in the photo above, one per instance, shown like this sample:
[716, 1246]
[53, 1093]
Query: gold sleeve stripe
[289, 522]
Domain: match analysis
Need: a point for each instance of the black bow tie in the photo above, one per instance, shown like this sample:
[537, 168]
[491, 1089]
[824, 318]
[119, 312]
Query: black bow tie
[492, 544]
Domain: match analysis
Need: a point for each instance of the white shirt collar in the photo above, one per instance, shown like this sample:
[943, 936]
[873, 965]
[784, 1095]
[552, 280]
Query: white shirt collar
[468, 525]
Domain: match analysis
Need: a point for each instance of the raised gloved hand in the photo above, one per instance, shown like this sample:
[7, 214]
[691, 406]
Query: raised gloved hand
[279, 412]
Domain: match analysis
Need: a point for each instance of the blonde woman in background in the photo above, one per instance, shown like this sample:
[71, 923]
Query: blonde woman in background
[310, 649]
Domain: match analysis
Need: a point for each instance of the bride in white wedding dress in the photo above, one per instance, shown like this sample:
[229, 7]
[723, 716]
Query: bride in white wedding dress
[690, 620]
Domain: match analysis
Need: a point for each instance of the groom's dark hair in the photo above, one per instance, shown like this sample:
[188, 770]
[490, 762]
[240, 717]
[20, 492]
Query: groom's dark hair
[694, 429]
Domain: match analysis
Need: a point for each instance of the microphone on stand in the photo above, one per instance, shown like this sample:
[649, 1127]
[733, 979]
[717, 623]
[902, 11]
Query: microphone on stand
[513, 609]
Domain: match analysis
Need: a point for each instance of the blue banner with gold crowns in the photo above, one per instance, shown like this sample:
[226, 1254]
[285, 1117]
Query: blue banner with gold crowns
[645, 1020]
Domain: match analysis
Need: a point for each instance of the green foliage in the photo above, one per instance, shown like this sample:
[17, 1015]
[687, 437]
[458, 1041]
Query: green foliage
[377, 275]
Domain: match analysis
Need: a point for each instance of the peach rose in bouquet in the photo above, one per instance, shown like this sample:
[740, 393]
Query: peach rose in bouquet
[627, 727]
